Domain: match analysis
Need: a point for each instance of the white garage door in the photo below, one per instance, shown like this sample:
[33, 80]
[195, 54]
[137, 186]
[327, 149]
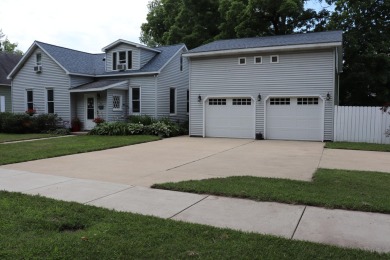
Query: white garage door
[230, 117]
[294, 118]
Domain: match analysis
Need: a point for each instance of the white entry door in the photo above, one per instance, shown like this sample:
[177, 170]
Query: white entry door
[90, 111]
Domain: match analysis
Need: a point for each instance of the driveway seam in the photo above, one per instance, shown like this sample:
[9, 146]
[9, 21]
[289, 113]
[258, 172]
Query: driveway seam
[174, 215]
[299, 221]
[131, 187]
[197, 160]
[40, 187]
[322, 154]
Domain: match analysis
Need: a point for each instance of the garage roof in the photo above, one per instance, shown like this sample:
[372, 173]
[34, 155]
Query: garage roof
[281, 41]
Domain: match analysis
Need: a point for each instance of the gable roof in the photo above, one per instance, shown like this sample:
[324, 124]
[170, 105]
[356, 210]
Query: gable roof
[75, 62]
[117, 42]
[7, 62]
[330, 38]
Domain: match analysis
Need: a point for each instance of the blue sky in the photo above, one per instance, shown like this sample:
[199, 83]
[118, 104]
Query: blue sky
[85, 25]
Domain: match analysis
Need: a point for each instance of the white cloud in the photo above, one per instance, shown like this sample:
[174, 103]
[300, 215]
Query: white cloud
[85, 25]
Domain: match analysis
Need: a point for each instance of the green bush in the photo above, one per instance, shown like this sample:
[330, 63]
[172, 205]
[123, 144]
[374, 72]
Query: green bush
[141, 119]
[22, 123]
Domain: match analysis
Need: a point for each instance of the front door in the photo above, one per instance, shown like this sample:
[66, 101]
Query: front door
[90, 111]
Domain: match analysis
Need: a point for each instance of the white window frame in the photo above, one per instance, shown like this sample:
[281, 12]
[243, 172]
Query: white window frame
[2, 103]
[131, 101]
[239, 61]
[188, 102]
[120, 102]
[26, 103]
[175, 102]
[272, 56]
[126, 60]
[38, 63]
[261, 60]
[47, 101]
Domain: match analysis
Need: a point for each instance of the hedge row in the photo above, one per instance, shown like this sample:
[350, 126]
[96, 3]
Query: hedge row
[23, 123]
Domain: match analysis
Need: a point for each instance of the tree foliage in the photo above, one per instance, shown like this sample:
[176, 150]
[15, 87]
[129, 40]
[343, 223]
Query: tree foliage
[196, 22]
[7, 46]
[366, 77]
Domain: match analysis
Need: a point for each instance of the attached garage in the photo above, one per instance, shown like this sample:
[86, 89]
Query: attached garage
[294, 118]
[230, 117]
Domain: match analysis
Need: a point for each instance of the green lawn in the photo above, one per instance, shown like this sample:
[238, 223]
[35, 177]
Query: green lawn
[354, 190]
[40, 228]
[40, 149]
[18, 137]
[358, 146]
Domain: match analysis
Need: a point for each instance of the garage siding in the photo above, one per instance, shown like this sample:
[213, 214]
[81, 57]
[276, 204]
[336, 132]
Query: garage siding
[297, 73]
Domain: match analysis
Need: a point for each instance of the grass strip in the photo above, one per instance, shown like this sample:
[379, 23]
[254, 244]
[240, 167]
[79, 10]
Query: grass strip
[19, 137]
[341, 189]
[358, 146]
[40, 149]
[40, 228]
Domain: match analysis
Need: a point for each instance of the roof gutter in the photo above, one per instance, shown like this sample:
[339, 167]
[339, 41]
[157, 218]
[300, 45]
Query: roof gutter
[265, 49]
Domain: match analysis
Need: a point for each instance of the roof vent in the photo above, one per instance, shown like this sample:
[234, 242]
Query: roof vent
[38, 69]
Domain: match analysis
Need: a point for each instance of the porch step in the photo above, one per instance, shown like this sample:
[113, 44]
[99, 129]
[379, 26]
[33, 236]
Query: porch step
[79, 133]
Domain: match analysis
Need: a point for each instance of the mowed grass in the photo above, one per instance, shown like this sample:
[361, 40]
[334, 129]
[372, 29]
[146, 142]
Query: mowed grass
[40, 149]
[341, 189]
[39, 228]
[19, 137]
[358, 146]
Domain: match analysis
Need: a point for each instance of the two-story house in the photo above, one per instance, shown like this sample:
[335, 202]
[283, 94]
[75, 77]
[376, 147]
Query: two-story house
[126, 79]
[277, 87]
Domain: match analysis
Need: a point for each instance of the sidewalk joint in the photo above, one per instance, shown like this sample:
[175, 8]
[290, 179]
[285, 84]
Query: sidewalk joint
[128, 188]
[299, 221]
[174, 215]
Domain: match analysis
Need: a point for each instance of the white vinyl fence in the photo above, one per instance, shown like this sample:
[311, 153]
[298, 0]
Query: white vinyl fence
[361, 124]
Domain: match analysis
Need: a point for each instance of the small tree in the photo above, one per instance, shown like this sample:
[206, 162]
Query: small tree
[7, 46]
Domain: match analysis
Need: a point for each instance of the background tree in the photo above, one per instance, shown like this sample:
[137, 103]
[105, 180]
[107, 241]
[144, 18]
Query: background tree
[7, 46]
[366, 76]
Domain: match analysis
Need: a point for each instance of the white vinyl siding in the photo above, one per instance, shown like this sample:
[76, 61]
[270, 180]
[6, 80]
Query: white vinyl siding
[301, 73]
[135, 56]
[50, 101]
[172, 101]
[2, 103]
[5, 91]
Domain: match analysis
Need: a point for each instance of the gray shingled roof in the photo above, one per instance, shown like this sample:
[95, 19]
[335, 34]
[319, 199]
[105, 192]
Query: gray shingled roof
[7, 63]
[99, 84]
[271, 41]
[77, 62]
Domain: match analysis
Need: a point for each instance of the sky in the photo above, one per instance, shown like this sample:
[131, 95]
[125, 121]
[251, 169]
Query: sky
[84, 25]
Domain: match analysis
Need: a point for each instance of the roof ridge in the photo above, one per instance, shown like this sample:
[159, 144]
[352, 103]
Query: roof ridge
[57, 46]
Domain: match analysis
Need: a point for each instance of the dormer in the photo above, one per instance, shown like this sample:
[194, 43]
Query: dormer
[124, 55]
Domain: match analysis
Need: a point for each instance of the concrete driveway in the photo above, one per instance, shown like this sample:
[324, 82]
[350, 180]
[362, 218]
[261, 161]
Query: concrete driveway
[184, 158]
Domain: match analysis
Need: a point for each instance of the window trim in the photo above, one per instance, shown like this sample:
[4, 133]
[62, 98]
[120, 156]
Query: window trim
[116, 61]
[32, 99]
[120, 102]
[188, 101]
[239, 61]
[175, 101]
[272, 56]
[261, 60]
[38, 62]
[132, 100]
[47, 101]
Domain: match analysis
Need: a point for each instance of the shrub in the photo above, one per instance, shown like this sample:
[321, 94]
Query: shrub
[22, 123]
[141, 119]
[162, 129]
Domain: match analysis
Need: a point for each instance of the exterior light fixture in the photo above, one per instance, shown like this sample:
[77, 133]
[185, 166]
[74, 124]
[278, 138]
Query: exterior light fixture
[199, 98]
[328, 97]
[259, 97]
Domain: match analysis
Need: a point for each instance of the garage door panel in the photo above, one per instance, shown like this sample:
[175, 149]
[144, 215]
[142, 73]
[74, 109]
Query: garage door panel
[228, 120]
[300, 119]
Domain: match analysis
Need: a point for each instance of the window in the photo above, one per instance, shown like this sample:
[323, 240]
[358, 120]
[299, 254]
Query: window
[122, 58]
[258, 60]
[2, 103]
[274, 58]
[38, 59]
[307, 101]
[188, 101]
[116, 102]
[217, 102]
[136, 100]
[242, 101]
[50, 101]
[172, 100]
[30, 102]
[242, 61]
[280, 101]
[181, 63]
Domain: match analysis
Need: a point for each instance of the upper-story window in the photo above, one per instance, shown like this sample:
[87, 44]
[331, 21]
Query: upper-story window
[38, 59]
[274, 58]
[122, 60]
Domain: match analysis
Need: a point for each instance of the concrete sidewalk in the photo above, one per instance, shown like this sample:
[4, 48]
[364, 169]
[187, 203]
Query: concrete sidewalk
[337, 227]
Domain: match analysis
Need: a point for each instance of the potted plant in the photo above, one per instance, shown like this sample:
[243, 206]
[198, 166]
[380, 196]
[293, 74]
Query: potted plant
[76, 124]
[98, 120]
[31, 111]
